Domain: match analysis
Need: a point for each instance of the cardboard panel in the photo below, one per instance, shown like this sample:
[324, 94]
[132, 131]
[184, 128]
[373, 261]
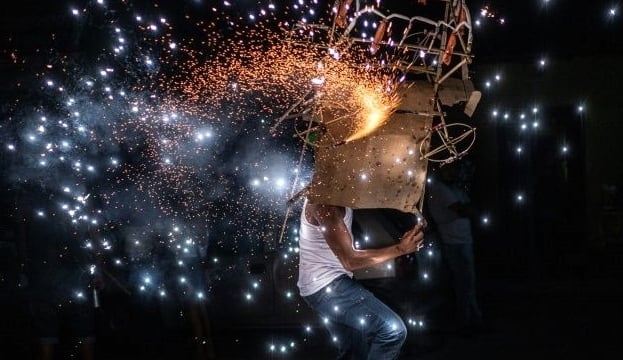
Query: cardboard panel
[383, 170]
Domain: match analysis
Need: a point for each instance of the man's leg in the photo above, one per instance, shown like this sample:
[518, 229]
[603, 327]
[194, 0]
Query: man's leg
[371, 329]
[474, 316]
[45, 321]
[384, 327]
[81, 325]
[350, 342]
[460, 261]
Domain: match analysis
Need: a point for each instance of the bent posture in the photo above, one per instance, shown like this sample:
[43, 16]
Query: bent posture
[361, 325]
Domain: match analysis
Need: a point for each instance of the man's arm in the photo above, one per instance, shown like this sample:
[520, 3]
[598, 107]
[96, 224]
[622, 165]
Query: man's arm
[330, 219]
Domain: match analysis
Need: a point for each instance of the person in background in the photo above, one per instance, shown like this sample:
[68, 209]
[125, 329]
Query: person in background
[451, 213]
[361, 325]
[59, 281]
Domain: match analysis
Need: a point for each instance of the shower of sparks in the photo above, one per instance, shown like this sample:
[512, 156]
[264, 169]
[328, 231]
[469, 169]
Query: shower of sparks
[160, 142]
[163, 135]
[376, 109]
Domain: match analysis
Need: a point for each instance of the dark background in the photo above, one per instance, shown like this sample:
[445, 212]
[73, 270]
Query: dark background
[549, 267]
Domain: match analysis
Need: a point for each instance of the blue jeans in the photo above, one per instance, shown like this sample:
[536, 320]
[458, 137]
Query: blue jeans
[460, 261]
[361, 325]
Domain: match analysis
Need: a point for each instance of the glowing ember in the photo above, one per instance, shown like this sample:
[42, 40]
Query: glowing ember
[375, 107]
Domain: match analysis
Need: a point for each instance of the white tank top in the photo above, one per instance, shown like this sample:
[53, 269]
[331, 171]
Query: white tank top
[318, 265]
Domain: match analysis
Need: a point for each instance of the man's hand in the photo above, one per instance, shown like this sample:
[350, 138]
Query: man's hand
[412, 240]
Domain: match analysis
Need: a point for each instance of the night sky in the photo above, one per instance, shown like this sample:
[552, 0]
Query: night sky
[140, 132]
[530, 28]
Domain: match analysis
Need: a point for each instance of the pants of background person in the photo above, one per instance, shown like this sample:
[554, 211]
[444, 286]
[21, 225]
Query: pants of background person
[361, 325]
[459, 259]
[59, 313]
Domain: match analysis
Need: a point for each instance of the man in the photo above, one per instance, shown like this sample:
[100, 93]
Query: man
[451, 212]
[60, 295]
[361, 325]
